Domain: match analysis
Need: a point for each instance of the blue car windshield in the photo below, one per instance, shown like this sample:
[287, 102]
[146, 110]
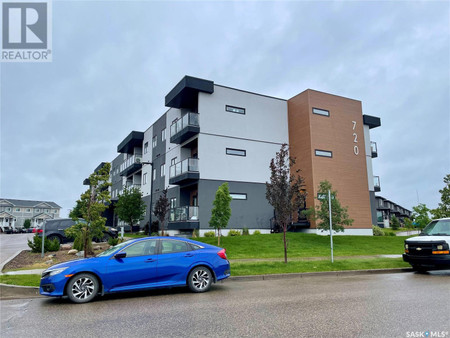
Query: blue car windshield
[112, 249]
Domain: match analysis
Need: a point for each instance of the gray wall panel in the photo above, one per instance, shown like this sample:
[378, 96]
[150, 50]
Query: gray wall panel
[253, 213]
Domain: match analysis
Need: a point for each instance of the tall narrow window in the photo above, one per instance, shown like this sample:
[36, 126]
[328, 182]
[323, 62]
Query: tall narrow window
[173, 203]
[154, 141]
[233, 109]
[154, 174]
[163, 169]
[145, 147]
[163, 135]
[173, 161]
[144, 178]
[236, 152]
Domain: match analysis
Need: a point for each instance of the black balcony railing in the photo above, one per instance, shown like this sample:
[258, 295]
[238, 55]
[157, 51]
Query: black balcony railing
[376, 183]
[373, 147]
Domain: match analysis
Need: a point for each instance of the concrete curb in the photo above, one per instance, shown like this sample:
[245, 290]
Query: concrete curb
[9, 260]
[319, 274]
[20, 292]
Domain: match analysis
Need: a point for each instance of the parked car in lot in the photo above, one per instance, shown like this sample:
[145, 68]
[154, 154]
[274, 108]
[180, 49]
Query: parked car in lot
[54, 229]
[430, 250]
[144, 263]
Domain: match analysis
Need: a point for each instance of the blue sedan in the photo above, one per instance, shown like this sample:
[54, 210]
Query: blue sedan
[144, 263]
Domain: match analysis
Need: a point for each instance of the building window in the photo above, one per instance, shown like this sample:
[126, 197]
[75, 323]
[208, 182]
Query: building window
[46, 210]
[236, 152]
[173, 161]
[154, 174]
[173, 203]
[163, 169]
[236, 110]
[144, 178]
[237, 196]
[8, 209]
[145, 147]
[324, 153]
[322, 112]
[17, 209]
[38, 210]
[28, 210]
[154, 141]
[163, 135]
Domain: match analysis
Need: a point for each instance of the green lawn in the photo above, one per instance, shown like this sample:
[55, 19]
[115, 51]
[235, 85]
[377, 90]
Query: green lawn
[24, 280]
[306, 245]
[263, 268]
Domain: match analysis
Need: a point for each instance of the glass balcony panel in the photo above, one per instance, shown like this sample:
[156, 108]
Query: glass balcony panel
[193, 164]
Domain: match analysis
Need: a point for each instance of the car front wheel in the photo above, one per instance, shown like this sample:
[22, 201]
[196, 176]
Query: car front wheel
[82, 288]
[200, 279]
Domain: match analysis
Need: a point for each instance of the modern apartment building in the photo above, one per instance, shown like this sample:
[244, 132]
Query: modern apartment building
[386, 209]
[213, 134]
[13, 213]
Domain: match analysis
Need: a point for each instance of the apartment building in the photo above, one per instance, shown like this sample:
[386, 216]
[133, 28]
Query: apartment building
[213, 134]
[386, 209]
[13, 212]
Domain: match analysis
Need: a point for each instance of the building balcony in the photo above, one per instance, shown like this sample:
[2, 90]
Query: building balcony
[131, 165]
[184, 172]
[373, 147]
[183, 218]
[184, 128]
[376, 183]
[133, 185]
[133, 140]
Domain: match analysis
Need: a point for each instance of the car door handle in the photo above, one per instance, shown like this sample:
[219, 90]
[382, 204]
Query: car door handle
[189, 255]
[149, 260]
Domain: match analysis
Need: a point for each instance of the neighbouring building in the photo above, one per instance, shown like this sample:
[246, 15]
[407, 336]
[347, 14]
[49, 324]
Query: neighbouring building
[13, 213]
[213, 134]
[386, 209]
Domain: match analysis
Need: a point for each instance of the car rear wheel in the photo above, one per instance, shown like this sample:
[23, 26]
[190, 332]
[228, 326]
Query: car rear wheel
[82, 288]
[200, 279]
[53, 237]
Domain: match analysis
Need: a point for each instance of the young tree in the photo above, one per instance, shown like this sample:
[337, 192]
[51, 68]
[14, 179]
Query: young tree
[162, 206]
[339, 215]
[91, 205]
[443, 209]
[221, 211]
[421, 216]
[284, 191]
[395, 223]
[27, 223]
[130, 207]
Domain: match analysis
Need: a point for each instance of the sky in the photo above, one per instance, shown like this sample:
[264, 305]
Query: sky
[114, 62]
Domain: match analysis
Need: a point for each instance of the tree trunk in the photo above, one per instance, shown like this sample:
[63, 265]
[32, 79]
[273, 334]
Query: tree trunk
[162, 228]
[284, 241]
[85, 243]
[218, 237]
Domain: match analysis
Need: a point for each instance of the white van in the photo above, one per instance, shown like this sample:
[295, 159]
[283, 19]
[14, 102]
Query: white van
[430, 250]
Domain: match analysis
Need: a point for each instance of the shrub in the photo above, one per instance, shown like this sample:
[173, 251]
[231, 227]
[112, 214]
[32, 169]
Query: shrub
[245, 232]
[377, 231]
[395, 223]
[113, 241]
[392, 234]
[36, 244]
[234, 232]
[155, 233]
[256, 232]
[210, 234]
[27, 223]
[195, 233]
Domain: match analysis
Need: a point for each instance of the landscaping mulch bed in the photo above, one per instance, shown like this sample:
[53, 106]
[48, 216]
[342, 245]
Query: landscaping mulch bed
[29, 260]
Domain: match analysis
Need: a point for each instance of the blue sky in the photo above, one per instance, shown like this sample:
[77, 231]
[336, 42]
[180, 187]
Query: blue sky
[113, 63]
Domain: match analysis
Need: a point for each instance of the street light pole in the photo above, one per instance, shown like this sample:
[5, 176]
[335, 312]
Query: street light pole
[151, 197]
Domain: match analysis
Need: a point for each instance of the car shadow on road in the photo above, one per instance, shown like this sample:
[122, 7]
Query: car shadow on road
[174, 291]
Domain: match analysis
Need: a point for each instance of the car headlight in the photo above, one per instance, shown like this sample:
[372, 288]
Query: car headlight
[113, 229]
[406, 246]
[53, 272]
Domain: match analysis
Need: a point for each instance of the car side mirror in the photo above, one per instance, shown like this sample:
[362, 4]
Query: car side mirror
[120, 255]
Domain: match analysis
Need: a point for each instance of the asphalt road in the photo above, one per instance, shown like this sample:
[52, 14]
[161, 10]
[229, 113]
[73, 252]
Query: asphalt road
[389, 305]
[12, 243]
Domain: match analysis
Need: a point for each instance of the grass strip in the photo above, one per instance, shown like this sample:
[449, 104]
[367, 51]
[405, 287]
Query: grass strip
[307, 245]
[267, 268]
[23, 280]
